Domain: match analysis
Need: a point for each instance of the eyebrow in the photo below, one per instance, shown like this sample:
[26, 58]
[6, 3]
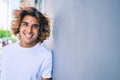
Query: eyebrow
[24, 22]
[27, 23]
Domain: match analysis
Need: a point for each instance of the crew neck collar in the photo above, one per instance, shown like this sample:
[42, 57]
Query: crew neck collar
[30, 48]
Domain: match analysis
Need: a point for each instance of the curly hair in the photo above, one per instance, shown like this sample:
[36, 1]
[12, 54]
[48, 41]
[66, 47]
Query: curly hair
[43, 20]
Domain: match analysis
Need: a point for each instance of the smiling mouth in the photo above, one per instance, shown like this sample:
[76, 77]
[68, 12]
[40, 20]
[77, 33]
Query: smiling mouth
[28, 35]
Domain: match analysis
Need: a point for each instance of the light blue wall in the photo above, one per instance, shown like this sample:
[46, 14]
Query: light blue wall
[86, 39]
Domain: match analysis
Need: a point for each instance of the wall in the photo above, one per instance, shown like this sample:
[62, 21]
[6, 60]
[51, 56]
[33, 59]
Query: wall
[86, 39]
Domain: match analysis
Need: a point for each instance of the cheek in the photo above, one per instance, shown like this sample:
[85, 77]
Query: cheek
[21, 28]
[36, 32]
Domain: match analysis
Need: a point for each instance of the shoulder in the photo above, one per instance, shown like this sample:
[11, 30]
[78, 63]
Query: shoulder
[6, 50]
[9, 47]
[42, 49]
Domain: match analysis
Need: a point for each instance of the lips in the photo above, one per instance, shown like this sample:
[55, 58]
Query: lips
[28, 35]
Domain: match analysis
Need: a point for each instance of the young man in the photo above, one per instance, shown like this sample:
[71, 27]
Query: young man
[27, 59]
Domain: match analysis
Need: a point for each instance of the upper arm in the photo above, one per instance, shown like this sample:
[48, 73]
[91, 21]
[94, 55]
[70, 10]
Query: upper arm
[46, 68]
[46, 79]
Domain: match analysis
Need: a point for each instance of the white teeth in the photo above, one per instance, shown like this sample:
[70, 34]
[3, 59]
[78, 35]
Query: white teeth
[28, 35]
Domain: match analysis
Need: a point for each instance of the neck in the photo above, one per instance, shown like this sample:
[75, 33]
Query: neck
[27, 45]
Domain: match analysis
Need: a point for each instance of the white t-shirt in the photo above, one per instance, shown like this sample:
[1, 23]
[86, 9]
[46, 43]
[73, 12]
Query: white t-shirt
[18, 63]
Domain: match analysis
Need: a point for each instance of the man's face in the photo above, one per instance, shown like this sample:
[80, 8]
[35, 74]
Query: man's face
[29, 30]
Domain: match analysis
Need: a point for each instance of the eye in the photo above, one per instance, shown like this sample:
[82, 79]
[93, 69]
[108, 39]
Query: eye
[36, 26]
[24, 24]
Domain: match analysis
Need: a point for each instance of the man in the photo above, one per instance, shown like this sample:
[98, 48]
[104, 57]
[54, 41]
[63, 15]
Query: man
[27, 59]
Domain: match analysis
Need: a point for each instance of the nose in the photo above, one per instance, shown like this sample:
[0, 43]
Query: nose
[29, 29]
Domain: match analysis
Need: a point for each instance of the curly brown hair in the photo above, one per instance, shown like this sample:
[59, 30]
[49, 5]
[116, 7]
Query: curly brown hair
[43, 20]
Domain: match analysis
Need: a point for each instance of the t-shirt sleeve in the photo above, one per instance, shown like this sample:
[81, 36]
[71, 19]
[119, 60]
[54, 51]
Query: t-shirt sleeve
[47, 66]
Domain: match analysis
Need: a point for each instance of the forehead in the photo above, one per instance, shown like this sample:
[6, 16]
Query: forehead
[30, 19]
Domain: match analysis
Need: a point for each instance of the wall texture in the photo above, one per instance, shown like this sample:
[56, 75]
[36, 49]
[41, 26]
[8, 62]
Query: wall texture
[86, 37]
